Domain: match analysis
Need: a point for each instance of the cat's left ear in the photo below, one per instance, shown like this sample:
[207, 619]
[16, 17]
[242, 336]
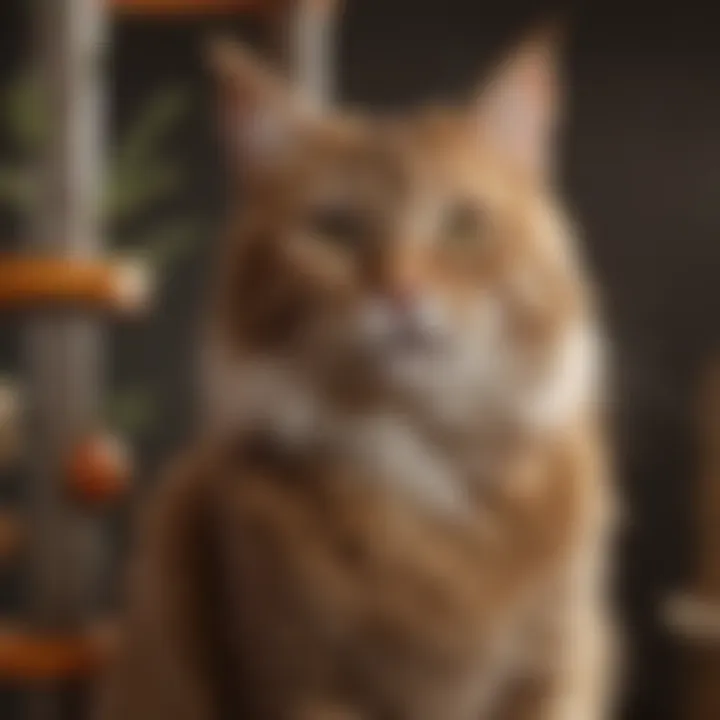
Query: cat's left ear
[518, 109]
[260, 114]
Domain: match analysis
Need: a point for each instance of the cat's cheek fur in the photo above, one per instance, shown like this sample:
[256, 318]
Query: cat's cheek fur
[572, 382]
[485, 373]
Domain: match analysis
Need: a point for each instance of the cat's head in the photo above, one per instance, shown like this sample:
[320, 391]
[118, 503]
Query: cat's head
[420, 256]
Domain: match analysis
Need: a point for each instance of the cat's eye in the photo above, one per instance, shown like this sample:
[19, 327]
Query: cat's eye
[462, 224]
[339, 224]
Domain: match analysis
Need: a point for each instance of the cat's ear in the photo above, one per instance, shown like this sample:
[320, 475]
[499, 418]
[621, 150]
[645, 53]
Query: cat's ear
[518, 109]
[259, 113]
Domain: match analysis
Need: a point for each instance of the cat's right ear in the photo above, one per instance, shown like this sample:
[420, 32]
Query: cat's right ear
[259, 114]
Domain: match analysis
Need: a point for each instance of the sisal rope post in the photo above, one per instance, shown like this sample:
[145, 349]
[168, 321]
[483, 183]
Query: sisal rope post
[305, 37]
[63, 355]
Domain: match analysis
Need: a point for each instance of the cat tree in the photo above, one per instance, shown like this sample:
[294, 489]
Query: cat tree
[64, 286]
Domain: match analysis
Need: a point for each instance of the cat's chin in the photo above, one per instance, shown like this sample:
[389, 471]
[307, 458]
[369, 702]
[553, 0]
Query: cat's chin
[412, 366]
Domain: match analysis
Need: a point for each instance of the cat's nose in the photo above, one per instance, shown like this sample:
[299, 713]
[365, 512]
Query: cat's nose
[403, 310]
[403, 298]
[403, 319]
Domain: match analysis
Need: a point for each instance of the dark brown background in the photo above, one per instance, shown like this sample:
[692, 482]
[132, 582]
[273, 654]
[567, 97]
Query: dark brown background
[643, 175]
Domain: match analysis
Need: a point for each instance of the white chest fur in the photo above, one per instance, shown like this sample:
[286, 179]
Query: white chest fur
[392, 450]
[386, 449]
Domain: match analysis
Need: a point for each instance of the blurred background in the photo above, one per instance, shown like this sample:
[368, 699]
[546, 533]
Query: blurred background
[642, 174]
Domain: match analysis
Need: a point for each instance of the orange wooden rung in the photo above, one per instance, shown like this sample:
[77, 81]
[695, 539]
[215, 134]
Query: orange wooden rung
[29, 656]
[28, 282]
[194, 7]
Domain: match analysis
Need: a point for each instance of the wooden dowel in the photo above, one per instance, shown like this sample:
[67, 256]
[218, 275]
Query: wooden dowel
[30, 282]
[27, 656]
[304, 32]
[164, 8]
[12, 537]
[11, 413]
[708, 491]
[701, 611]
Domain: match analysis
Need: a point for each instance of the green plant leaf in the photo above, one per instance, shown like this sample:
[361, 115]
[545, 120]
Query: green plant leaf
[18, 189]
[167, 242]
[130, 194]
[22, 113]
[156, 119]
[138, 178]
[131, 411]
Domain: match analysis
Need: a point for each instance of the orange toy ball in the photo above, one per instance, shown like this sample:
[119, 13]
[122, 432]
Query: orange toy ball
[99, 469]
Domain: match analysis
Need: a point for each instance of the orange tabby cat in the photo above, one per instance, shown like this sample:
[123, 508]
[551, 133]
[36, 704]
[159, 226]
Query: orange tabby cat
[399, 508]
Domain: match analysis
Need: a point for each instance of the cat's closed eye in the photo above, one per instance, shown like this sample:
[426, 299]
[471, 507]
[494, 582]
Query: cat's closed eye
[342, 225]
